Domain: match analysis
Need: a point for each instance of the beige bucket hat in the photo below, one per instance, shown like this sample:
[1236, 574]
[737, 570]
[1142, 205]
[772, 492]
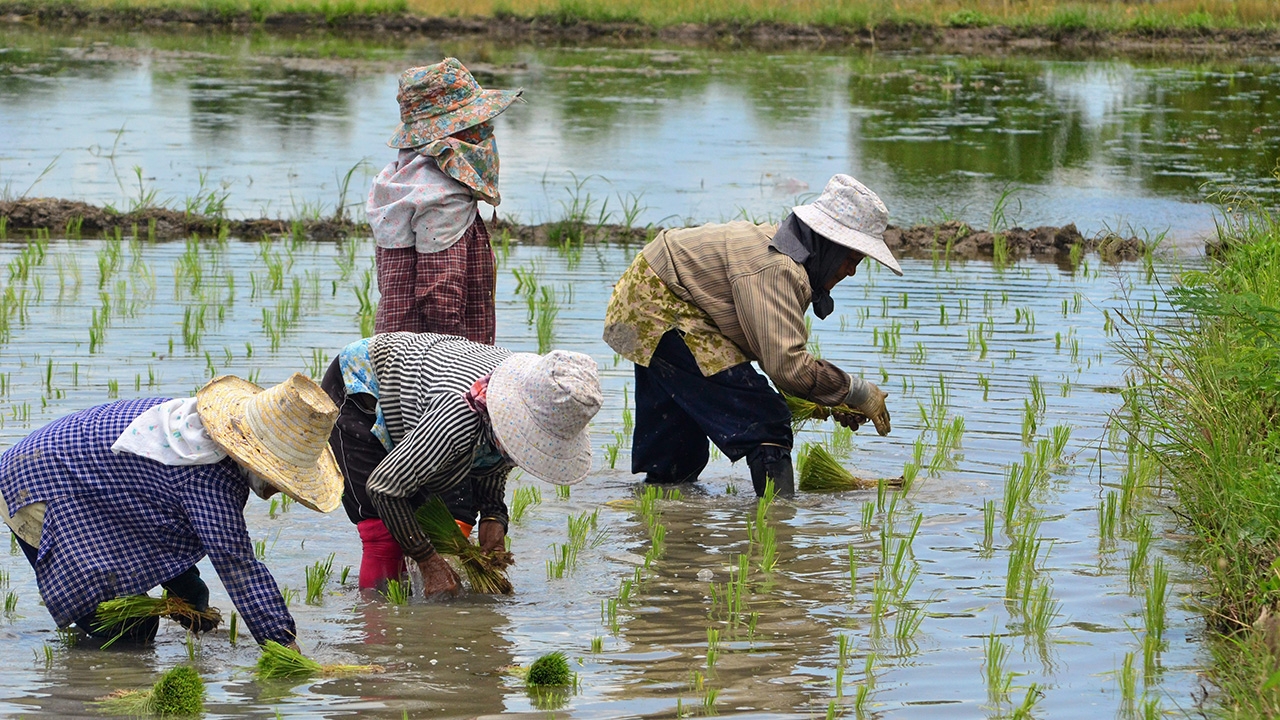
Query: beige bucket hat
[539, 406]
[281, 433]
[848, 213]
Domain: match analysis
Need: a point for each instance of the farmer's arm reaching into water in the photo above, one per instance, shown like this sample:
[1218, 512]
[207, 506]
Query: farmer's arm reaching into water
[216, 511]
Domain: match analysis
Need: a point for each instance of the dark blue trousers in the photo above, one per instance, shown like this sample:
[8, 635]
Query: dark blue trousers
[678, 410]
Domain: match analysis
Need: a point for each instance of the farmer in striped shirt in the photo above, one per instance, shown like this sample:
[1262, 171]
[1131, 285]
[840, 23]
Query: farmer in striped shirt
[116, 499]
[699, 304]
[422, 413]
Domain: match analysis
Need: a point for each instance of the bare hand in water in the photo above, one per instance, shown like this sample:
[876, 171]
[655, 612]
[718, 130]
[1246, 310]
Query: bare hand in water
[437, 576]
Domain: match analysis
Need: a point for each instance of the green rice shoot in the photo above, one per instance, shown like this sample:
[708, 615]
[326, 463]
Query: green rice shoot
[802, 411]
[819, 472]
[179, 692]
[123, 613]
[485, 571]
[280, 662]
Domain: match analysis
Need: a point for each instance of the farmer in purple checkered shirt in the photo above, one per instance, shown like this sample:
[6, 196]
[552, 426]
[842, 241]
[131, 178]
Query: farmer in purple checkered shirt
[436, 272]
[111, 501]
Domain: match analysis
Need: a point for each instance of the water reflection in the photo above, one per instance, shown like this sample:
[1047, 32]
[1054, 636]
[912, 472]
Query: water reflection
[698, 134]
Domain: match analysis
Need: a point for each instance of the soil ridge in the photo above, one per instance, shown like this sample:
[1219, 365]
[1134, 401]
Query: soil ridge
[889, 35]
[951, 240]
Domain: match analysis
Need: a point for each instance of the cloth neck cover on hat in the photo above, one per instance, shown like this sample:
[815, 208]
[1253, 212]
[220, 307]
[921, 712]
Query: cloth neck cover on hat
[171, 433]
[820, 257]
[471, 158]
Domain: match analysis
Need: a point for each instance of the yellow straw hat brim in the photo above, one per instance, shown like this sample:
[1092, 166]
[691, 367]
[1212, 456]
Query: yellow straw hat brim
[316, 482]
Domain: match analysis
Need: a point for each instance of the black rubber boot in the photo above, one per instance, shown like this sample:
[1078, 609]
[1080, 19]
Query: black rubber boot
[771, 462]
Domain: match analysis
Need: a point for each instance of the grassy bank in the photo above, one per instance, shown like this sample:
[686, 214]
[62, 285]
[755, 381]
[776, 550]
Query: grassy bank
[1206, 401]
[1035, 15]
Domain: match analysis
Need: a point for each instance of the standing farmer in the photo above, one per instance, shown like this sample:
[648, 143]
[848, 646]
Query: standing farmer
[422, 413]
[699, 304]
[116, 499]
[435, 265]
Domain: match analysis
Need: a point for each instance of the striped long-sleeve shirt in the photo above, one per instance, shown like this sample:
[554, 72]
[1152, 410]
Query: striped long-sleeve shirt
[748, 292]
[437, 437]
[122, 524]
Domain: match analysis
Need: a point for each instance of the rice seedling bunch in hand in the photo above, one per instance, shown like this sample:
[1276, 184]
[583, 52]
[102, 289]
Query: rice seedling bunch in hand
[485, 571]
[550, 670]
[178, 693]
[278, 661]
[803, 411]
[819, 472]
[123, 613]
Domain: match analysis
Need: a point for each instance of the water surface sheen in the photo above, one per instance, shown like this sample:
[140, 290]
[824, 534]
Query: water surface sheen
[447, 659]
[663, 135]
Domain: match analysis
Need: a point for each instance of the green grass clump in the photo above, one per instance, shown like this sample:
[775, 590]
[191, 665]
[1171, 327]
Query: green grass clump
[178, 693]
[819, 472]
[278, 661]
[485, 571]
[803, 411]
[550, 670]
[1203, 401]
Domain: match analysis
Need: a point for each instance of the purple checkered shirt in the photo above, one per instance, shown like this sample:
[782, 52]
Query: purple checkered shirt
[122, 524]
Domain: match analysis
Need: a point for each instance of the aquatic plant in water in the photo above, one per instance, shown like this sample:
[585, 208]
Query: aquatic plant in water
[179, 692]
[819, 472]
[278, 661]
[550, 670]
[123, 613]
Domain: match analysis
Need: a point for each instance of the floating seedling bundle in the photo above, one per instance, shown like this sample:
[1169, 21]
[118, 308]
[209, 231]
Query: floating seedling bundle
[122, 614]
[278, 661]
[803, 411]
[179, 692]
[485, 571]
[819, 472]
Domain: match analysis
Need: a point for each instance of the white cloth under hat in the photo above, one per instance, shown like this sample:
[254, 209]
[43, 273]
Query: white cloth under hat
[849, 214]
[539, 407]
[171, 433]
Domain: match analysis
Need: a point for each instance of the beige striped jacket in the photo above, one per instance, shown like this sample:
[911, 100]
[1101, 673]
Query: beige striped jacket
[733, 297]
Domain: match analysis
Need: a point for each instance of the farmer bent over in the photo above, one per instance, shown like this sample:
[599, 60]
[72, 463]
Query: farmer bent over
[698, 304]
[116, 499]
[422, 413]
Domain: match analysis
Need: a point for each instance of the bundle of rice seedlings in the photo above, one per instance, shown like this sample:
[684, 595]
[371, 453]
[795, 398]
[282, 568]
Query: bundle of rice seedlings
[550, 670]
[278, 661]
[486, 572]
[179, 692]
[123, 613]
[803, 411]
[819, 472]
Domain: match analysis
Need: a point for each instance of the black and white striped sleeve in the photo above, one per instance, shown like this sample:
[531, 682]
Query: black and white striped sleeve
[430, 458]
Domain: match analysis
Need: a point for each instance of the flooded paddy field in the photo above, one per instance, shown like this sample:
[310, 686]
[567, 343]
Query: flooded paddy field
[977, 591]
[268, 125]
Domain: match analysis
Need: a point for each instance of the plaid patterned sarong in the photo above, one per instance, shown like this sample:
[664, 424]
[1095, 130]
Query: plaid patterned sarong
[450, 292]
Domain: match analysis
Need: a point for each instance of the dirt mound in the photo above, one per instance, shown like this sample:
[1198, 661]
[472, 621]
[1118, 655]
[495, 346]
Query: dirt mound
[885, 35]
[949, 240]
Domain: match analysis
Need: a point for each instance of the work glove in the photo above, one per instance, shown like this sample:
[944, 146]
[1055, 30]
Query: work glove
[874, 408]
[438, 576]
[850, 419]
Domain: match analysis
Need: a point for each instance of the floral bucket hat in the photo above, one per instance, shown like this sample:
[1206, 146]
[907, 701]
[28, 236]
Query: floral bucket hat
[439, 100]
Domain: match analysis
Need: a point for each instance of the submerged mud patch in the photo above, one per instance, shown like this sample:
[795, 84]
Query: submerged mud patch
[947, 241]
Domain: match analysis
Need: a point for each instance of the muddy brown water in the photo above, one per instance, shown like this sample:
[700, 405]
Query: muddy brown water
[451, 658]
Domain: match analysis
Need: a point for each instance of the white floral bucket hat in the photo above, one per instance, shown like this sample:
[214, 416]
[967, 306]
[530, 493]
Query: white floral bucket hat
[281, 433]
[849, 214]
[539, 406]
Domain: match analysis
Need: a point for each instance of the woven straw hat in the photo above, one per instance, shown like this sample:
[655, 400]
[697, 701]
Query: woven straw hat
[439, 100]
[849, 214]
[539, 406]
[281, 433]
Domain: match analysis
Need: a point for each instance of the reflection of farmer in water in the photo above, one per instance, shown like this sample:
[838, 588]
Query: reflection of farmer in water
[114, 500]
[698, 304]
[423, 413]
[436, 270]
